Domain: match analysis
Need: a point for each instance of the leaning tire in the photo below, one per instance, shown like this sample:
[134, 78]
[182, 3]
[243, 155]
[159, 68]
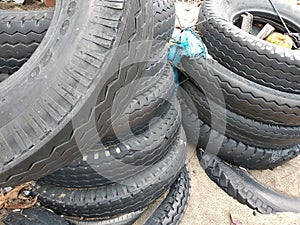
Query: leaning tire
[243, 187]
[245, 54]
[22, 32]
[66, 84]
[36, 23]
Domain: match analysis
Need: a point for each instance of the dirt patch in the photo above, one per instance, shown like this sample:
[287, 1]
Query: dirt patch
[29, 5]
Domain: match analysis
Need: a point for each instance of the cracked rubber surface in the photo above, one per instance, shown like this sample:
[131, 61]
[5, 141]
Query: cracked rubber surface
[243, 53]
[242, 186]
[172, 209]
[243, 96]
[115, 199]
[231, 150]
[104, 165]
[20, 35]
[69, 83]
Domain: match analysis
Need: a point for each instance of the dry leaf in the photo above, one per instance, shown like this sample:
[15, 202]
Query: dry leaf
[22, 206]
[11, 199]
[2, 201]
[14, 193]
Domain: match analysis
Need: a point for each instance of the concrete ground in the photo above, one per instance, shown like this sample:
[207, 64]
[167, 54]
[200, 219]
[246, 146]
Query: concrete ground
[210, 205]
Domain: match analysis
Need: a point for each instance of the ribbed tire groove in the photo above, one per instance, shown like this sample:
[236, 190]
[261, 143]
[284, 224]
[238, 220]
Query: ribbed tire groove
[20, 35]
[241, 128]
[242, 96]
[172, 209]
[97, 168]
[231, 150]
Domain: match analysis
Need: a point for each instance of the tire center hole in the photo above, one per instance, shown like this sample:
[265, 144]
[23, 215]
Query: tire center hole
[261, 19]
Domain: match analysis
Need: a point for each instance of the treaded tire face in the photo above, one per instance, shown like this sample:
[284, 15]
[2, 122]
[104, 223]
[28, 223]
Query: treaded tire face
[242, 96]
[243, 187]
[33, 216]
[239, 127]
[119, 161]
[243, 53]
[164, 20]
[140, 191]
[35, 24]
[22, 32]
[20, 35]
[231, 150]
[172, 209]
[67, 86]
[150, 100]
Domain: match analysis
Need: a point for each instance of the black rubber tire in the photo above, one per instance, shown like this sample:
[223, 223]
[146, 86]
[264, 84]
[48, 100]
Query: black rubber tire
[240, 128]
[127, 219]
[172, 209]
[115, 163]
[21, 32]
[164, 21]
[116, 198]
[242, 96]
[20, 35]
[30, 22]
[242, 186]
[163, 28]
[232, 151]
[33, 216]
[68, 72]
[257, 60]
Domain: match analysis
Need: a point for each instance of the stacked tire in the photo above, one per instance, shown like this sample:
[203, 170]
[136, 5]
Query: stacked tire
[108, 121]
[243, 105]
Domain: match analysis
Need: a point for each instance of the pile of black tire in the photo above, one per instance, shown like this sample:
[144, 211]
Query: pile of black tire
[244, 104]
[93, 112]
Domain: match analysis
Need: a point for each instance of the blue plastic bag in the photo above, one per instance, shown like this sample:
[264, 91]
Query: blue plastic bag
[187, 44]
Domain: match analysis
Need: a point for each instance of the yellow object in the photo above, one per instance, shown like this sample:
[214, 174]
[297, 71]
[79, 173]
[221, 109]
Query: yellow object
[282, 40]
